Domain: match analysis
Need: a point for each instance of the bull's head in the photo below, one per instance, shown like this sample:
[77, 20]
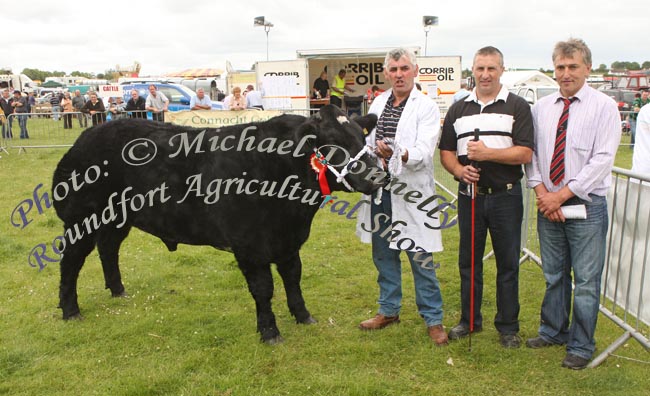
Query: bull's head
[340, 143]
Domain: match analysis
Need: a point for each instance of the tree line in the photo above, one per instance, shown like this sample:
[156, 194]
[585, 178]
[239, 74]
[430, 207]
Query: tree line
[40, 75]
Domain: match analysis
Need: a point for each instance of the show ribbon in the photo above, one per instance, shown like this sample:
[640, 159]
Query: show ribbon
[319, 165]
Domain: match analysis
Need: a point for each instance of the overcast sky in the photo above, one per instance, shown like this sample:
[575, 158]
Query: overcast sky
[170, 35]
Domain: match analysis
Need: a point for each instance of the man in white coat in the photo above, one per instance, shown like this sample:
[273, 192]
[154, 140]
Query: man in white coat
[402, 216]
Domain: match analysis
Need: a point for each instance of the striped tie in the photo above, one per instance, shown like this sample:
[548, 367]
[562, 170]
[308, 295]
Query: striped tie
[557, 161]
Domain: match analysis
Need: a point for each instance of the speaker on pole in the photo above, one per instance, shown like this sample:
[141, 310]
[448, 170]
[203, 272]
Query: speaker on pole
[429, 20]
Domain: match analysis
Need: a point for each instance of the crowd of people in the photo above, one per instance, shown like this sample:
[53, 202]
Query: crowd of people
[64, 106]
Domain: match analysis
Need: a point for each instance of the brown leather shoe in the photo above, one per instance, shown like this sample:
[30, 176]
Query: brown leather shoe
[438, 335]
[378, 322]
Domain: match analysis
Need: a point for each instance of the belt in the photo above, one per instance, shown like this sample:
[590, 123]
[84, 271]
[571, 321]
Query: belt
[485, 190]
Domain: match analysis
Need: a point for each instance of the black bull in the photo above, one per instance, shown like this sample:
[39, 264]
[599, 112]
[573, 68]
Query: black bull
[249, 189]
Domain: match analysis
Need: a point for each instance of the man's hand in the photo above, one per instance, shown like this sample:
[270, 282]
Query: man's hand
[477, 150]
[549, 203]
[556, 217]
[469, 174]
[383, 150]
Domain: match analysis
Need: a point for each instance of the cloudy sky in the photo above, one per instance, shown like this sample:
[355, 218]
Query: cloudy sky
[170, 35]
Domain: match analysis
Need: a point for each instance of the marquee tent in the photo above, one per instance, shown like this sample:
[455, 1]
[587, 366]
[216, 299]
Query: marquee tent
[196, 73]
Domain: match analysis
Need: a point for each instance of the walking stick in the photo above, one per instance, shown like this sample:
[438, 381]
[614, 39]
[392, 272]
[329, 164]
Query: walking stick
[473, 252]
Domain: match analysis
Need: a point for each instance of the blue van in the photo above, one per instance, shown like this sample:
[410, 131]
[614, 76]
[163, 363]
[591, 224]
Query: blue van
[179, 95]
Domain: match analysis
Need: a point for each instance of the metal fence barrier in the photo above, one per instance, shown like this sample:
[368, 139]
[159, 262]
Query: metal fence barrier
[49, 130]
[626, 273]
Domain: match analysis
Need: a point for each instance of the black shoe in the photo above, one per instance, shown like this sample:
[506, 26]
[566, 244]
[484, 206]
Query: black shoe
[462, 330]
[574, 362]
[510, 340]
[538, 342]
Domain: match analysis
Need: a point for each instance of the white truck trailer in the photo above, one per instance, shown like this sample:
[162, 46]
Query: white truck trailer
[287, 84]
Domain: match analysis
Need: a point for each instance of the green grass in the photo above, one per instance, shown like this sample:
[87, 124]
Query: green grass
[624, 154]
[188, 327]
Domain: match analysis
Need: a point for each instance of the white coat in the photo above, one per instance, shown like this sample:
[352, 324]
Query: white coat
[417, 131]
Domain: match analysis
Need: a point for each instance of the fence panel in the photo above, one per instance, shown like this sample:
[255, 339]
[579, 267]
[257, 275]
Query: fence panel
[625, 298]
[49, 130]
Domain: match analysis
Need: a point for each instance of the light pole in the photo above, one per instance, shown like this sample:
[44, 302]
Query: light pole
[427, 22]
[259, 21]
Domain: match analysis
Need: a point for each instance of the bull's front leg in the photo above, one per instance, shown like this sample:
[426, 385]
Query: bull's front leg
[291, 272]
[260, 285]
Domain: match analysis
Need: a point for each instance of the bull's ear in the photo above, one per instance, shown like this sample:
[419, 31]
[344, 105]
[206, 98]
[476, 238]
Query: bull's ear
[307, 130]
[367, 122]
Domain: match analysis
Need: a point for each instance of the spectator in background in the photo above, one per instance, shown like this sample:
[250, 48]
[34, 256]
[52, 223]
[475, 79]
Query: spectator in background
[461, 94]
[68, 108]
[55, 101]
[19, 104]
[641, 156]
[96, 109]
[338, 89]
[110, 103]
[117, 109]
[7, 110]
[372, 93]
[31, 101]
[253, 98]
[78, 103]
[136, 105]
[157, 103]
[237, 101]
[638, 103]
[200, 101]
[321, 88]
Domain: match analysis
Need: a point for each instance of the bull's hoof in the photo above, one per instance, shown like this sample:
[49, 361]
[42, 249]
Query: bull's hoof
[123, 293]
[76, 316]
[274, 341]
[308, 320]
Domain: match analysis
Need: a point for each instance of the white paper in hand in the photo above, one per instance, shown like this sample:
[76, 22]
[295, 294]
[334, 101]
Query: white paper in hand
[574, 211]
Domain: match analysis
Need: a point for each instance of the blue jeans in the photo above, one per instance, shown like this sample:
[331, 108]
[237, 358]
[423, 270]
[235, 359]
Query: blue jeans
[577, 245]
[22, 122]
[427, 289]
[501, 214]
[6, 127]
[55, 112]
[632, 122]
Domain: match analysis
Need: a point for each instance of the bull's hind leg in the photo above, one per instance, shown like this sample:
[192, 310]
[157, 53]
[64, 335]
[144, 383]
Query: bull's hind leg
[109, 240]
[291, 271]
[260, 285]
[74, 256]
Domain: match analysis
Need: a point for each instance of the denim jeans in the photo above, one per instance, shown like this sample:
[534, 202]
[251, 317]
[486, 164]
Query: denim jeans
[55, 112]
[632, 131]
[22, 122]
[577, 245]
[427, 289]
[501, 214]
[83, 120]
[6, 127]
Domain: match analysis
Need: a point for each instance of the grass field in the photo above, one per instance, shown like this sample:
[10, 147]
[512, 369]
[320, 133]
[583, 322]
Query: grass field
[188, 327]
